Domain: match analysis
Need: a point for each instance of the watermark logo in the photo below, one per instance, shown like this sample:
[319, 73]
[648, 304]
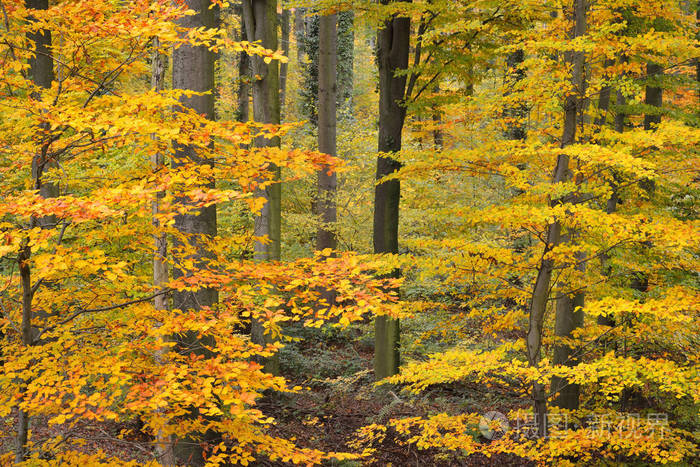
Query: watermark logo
[493, 425]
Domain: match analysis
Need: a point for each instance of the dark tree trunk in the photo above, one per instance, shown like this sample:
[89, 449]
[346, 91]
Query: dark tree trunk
[392, 55]
[653, 96]
[611, 205]
[193, 69]
[516, 112]
[42, 75]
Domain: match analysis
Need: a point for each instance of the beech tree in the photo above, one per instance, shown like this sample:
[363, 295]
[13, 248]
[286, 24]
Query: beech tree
[260, 20]
[546, 280]
[392, 58]
[327, 182]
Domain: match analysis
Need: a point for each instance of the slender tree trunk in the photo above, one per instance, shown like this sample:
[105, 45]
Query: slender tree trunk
[518, 111]
[285, 27]
[193, 69]
[569, 308]
[299, 34]
[603, 101]
[159, 66]
[392, 55]
[327, 182]
[261, 25]
[42, 75]
[653, 99]
[568, 318]
[243, 112]
[697, 59]
[345, 62]
[653, 96]
[438, 140]
[540, 293]
[611, 205]
[21, 450]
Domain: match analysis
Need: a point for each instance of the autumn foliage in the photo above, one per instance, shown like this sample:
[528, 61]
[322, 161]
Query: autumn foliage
[81, 340]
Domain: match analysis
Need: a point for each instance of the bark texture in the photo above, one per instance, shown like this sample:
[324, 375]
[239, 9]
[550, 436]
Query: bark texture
[243, 111]
[653, 96]
[42, 75]
[517, 111]
[261, 25]
[159, 66]
[392, 55]
[540, 293]
[193, 69]
[327, 183]
[285, 27]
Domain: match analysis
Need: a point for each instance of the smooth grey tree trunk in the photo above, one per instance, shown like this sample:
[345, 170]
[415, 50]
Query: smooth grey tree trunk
[392, 55]
[540, 293]
[261, 25]
[193, 69]
[159, 66]
[299, 33]
[568, 317]
[327, 182]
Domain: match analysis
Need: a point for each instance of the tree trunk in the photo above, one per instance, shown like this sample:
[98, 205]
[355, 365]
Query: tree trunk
[653, 96]
[159, 66]
[611, 205]
[540, 293]
[193, 69]
[243, 113]
[345, 62]
[299, 34]
[653, 100]
[22, 450]
[327, 183]
[285, 30]
[392, 55]
[438, 140]
[42, 75]
[568, 317]
[515, 112]
[261, 25]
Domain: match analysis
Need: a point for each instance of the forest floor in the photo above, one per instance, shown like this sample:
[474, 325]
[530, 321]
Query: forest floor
[335, 367]
[341, 398]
